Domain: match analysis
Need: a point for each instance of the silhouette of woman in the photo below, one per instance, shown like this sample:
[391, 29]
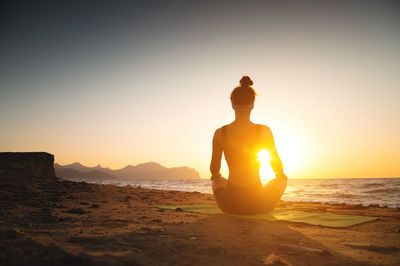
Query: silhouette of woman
[240, 141]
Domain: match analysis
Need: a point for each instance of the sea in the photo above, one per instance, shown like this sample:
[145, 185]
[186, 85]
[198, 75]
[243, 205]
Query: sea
[364, 191]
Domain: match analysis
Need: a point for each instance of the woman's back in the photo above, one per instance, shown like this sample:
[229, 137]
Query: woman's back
[241, 144]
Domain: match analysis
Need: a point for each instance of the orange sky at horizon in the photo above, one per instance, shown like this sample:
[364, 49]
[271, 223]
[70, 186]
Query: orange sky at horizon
[129, 85]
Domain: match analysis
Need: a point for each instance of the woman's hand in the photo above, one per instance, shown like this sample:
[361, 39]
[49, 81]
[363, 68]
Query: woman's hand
[216, 176]
[217, 181]
[281, 176]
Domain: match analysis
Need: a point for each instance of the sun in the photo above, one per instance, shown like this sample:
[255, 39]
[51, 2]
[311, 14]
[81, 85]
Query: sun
[263, 155]
[266, 172]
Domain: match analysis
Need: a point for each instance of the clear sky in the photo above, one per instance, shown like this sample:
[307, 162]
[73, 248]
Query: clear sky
[123, 82]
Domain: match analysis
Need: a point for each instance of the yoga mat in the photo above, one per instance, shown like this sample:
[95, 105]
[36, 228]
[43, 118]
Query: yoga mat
[314, 218]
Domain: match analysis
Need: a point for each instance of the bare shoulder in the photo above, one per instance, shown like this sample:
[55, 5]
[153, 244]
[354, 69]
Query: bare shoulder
[218, 134]
[219, 131]
[265, 129]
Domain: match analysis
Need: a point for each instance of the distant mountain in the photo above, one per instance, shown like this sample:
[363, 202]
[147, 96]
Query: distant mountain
[70, 173]
[81, 168]
[150, 170]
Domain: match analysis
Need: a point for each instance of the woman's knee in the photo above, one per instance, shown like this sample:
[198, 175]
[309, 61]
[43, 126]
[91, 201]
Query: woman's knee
[219, 183]
[275, 187]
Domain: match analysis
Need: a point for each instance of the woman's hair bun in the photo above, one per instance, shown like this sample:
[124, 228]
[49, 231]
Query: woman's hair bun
[246, 81]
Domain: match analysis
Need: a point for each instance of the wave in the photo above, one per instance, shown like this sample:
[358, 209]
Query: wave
[334, 186]
[372, 185]
[383, 190]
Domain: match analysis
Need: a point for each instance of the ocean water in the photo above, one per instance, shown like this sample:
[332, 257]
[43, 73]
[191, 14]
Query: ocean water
[365, 191]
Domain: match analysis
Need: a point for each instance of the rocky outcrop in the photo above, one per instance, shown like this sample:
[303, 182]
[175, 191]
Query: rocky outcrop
[38, 165]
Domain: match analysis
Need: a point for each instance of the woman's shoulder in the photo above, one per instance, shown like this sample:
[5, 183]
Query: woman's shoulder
[222, 129]
[263, 128]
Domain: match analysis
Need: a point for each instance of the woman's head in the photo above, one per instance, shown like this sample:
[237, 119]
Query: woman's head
[243, 97]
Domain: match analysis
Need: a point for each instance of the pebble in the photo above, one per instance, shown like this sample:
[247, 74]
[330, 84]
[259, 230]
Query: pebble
[76, 211]
[274, 259]
[127, 198]
[325, 253]
[141, 232]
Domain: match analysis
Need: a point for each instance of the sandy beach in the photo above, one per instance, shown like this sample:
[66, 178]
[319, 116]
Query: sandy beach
[63, 223]
[116, 115]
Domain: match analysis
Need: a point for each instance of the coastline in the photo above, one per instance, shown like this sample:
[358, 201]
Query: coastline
[64, 223]
[367, 192]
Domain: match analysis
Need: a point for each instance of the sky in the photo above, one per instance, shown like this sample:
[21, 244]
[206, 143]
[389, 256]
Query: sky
[124, 82]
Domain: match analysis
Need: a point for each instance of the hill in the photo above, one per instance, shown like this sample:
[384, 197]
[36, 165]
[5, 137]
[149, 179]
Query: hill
[150, 170]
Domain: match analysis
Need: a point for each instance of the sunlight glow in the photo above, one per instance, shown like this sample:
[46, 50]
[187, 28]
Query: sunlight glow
[292, 150]
[263, 155]
[266, 172]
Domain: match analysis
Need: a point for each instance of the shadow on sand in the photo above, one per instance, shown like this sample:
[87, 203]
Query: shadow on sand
[214, 240]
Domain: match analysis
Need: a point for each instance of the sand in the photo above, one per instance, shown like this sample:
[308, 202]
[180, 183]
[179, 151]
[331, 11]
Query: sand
[67, 223]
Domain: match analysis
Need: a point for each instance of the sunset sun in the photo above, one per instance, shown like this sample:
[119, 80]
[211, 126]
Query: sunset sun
[266, 172]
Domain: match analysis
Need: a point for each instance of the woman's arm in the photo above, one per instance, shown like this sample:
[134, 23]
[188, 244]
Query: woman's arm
[216, 157]
[275, 161]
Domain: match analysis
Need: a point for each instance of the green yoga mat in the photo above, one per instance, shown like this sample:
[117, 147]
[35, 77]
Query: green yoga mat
[314, 218]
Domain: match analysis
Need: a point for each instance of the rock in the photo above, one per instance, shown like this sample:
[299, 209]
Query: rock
[127, 198]
[325, 253]
[178, 210]
[141, 232]
[377, 249]
[15, 256]
[397, 230]
[9, 234]
[76, 211]
[274, 259]
[38, 165]
[95, 206]
[65, 219]
[373, 205]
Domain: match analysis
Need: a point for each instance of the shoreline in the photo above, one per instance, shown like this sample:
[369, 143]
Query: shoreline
[60, 222]
[122, 183]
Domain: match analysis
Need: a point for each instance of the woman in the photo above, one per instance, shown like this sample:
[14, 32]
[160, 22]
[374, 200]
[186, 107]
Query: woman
[241, 141]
